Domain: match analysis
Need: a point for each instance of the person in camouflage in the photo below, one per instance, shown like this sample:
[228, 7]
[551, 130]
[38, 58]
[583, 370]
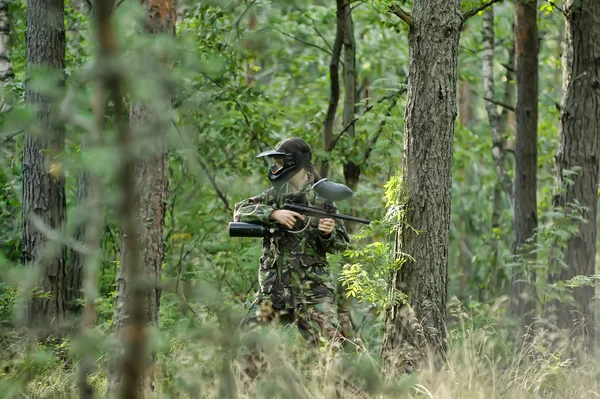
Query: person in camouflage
[296, 282]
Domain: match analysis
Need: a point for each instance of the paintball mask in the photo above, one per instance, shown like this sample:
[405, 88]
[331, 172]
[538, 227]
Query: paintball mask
[284, 165]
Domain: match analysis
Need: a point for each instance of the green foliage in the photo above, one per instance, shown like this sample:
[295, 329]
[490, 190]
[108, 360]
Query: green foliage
[245, 75]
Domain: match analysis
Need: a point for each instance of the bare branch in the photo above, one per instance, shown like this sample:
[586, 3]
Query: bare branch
[206, 171]
[476, 10]
[214, 184]
[296, 38]
[369, 108]
[500, 103]
[403, 15]
[237, 22]
[10, 137]
[314, 24]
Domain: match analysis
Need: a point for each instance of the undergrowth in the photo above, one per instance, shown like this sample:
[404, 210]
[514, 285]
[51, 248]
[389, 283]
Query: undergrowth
[206, 359]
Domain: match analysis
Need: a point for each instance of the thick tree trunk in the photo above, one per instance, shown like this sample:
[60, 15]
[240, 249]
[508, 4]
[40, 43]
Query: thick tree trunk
[579, 146]
[523, 302]
[138, 296]
[427, 174]
[43, 179]
[6, 69]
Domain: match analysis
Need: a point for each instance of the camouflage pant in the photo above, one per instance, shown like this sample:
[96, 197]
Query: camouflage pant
[318, 323]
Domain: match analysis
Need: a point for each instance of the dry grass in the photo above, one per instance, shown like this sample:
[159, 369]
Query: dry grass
[480, 364]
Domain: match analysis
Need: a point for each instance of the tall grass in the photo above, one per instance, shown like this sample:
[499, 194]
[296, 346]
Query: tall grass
[203, 360]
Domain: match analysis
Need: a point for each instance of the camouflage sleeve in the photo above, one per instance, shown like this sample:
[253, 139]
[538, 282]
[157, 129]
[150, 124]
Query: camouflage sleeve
[337, 240]
[255, 209]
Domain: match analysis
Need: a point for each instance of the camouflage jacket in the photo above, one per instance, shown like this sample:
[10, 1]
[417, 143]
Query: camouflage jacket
[293, 266]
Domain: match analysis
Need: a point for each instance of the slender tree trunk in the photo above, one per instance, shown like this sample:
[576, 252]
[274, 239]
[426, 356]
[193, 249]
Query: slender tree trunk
[427, 174]
[351, 169]
[579, 146]
[334, 96]
[43, 180]
[496, 122]
[77, 259]
[138, 285]
[465, 109]
[523, 302]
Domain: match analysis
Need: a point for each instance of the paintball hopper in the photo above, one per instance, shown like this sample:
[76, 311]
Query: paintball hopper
[332, 191]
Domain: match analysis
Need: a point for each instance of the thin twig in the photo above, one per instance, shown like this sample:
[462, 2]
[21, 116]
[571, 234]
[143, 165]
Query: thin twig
[207, 172]
[246, 118]
[297, 39]
[369, 108]
[382, 124]
[553, 4]
[237, 22]
[474, 11]
[10, 137]
[403, 15]
[314, 24]
[214, 184]
[500, 103]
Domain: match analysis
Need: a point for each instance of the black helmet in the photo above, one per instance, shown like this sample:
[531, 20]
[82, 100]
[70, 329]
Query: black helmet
[294, 155]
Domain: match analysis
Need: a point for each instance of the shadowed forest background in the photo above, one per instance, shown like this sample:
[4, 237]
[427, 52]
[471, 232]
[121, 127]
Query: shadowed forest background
[468, 130]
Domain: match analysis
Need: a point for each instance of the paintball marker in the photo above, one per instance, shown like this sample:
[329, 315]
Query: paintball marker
[327, 191]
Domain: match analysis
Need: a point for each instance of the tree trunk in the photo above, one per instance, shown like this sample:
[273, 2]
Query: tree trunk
[431, 110]
[43, 180]
[77, 259]
[579, 146]
[351, 169]
[334, 96]
[6, 69]
[495, 118]
[138, 296]
[523, 303]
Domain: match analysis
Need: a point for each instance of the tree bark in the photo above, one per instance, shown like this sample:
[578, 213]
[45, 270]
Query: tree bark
[579, 146]
[76, 261]
[6, 69]
[43, 180]
[138, 285]
[351, 169]
[334, 96]
[523, 303]
[494, 116]
[431, 110]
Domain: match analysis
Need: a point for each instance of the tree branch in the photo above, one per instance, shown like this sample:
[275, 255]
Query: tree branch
[403, 15]
[380, 129]
[314, 24]
[474, 11]
[237, 22]
[214, 184]
[369, 108]
[500, 103]
[296, 38]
